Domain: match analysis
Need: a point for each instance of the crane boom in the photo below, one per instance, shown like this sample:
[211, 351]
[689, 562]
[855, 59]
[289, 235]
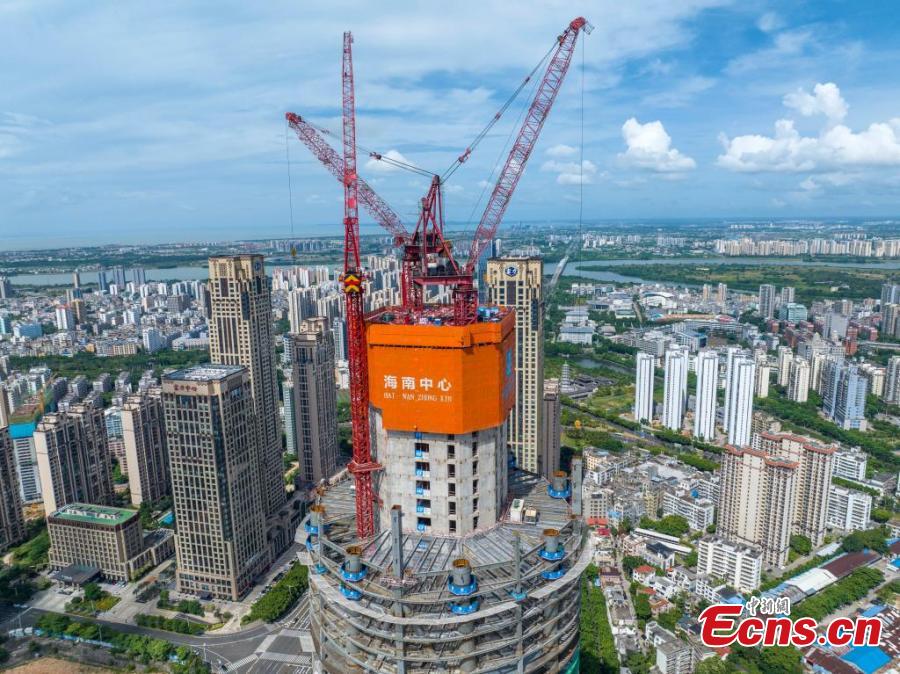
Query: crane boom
[374, 205]
[526, 139]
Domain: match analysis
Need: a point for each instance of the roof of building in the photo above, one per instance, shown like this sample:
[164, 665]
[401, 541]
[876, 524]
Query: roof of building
[77, 574]
[207, 372]
[846, 564]
[94, 514]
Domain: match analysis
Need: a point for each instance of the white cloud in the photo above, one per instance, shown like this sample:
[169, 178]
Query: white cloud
[379, 166]
[836, 147]
[769, 21]
[561, 151]
[571, 173]
[650, 147]
[825, 100]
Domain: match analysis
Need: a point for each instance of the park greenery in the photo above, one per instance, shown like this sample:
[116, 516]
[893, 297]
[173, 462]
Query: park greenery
[598, 650]
[179, 625]
[138, 647]
[190, 606]
[283, 595]
[670, 525]
[93, 601]
[810, 282]
[879, 445]
[850, 589]
[870, 539]
[19, 579]
[92, 366]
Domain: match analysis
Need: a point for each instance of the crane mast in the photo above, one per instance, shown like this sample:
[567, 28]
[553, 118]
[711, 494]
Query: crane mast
[361, 465]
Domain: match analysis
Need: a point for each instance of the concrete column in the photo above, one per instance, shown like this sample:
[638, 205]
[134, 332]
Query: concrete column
[577, 478]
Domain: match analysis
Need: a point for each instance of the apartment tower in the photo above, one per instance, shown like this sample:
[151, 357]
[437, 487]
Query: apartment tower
[756, 500]
[675, 388]
[314, 399]
[814, 469]
[220, 542]
[643, 387]
[705, 396]
[144, 436]
[12, 523]
[739, 396]
[72, 458]
[240, 333]
[517, 282]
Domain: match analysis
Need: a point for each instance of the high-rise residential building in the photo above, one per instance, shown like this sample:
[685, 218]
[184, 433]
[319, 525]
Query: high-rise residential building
[850, 464]
[890, 294]
[787, 294]
[844, 395]
[552, 431]
[12, 522]
[798, 380]
[72, 457]
[793, 312]
[740, 566]
[65, 320]
[6, 288]
[814, 470]
[890, 319]
[785, 355]
[836, 325]
[730, 353]
[102, 282]
[517, 282]
[339, 329]
[643, 387]
[705, 396]
[767, 300]
[298, 301]
[848, 509]
[706, 292]
[118, 273]
[756, 500]
[240, 333]
[211, 433]
[146, 455]
[315, 401]
[722, 293]
[290, 427]
[739, 394]
[763, 370]
[139, 276]
[675, 388]
[875, 377]
[892, 380]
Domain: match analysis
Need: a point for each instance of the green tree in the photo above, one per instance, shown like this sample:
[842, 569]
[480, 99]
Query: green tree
[801, 545]
[93, 592]
[642, 606]
[881, 515]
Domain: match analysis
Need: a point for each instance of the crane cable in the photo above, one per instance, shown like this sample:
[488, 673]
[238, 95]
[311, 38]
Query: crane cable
[581, 158]
[287, 154]
[509, 101]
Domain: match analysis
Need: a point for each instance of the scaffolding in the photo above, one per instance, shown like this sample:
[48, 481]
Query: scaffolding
[503, 599]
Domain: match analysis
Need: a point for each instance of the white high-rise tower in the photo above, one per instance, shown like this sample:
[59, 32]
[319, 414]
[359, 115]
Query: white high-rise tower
[705, 398]
[675, 388]
[643, 387]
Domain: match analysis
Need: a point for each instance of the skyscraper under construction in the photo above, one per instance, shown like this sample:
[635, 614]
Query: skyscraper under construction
[476, 563]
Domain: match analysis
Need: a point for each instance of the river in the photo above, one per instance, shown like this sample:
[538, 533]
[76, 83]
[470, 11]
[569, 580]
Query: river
[578, 268]
[572, 269]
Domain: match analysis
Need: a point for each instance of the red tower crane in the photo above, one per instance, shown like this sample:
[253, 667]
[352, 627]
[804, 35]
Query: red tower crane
[427, 255]
[361, 466]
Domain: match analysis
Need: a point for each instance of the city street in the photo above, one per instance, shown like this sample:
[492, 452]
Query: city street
[280, 648]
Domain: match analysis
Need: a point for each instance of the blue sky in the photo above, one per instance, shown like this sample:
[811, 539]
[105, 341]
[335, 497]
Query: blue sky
[163, 121]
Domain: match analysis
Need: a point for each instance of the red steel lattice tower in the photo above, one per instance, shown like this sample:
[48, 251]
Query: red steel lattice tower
[361, 466]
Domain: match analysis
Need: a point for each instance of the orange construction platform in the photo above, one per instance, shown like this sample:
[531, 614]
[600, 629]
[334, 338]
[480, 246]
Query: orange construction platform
[443, 378]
